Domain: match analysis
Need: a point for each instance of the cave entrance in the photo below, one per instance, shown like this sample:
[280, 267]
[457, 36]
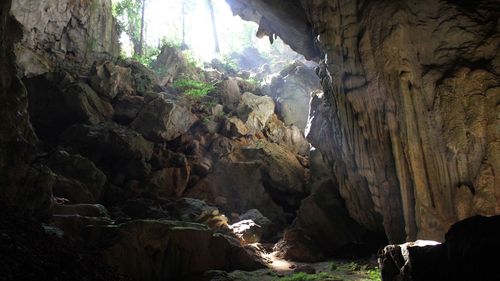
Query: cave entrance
[200, 49]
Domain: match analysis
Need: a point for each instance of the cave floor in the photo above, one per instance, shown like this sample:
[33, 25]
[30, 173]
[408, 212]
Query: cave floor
[333, 270]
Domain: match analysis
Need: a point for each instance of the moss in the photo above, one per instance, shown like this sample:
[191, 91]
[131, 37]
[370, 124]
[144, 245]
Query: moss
[301, 276]
[193, 88]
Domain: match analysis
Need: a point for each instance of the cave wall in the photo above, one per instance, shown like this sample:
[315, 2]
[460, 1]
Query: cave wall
[17, 139]
[414, 95]
[64, 33]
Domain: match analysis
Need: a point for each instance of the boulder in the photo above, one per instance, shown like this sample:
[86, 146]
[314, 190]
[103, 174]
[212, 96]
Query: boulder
[127, 108]
[296, 246]
[107, 144]
[194, 210]
[171, 182]
[79, 180]
[465, 255]
[85, 105]
[162, 119]
[268, 228]
[249, 178]
[247, 231]
[168, 250]
[235, 128]
[228, 94]
[144, 79]
[292, 93]
[111, 80]
[84, 210]
[57, 102]
[290, 137]
[255, 111]
[169, 63]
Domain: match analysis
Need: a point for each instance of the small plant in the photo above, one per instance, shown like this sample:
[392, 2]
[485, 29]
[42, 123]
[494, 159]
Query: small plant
[301, 276]
[374, 274]
[193, 88]
[333, 266]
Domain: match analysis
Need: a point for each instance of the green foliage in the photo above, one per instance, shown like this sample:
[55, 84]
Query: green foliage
[150, 55]
[374, 274]
[333, 266]
[193, 88]
[128, 15]
[301, 276]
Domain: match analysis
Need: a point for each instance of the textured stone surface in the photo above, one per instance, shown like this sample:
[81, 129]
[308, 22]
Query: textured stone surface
[163, 119]
[167, 250]
[284, 18]
[62, 32]
[465, 255]
[17, 138]
[410, 110]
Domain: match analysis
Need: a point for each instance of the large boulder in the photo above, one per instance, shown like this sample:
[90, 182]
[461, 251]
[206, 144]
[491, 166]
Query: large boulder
[248, 178]
[323, 215]
[111, 80]
[85, 105]
[163, 119]
[56, 102]
[292, 91]
[107, 144]
[290, 137]
[465, 255]
[168, 250]
[255, 111]
[228, 94]
[171, 64]
[79, 180]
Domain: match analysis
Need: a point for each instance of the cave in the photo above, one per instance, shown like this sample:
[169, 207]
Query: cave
[347, 140]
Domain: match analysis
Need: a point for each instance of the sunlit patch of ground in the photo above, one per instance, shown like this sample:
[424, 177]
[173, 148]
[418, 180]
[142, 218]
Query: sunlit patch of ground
[334, 270]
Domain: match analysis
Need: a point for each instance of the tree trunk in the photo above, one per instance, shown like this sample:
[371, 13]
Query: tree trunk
[140, 51]
[214, 26]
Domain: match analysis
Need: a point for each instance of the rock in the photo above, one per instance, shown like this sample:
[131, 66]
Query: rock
[292, 92]
[162, 119]
[152, 246]
[296, 246]
[144, 79]
[63, 33]
[288, 136]
[228, 94]
[81, 181]
[84, 210]
[171, 64]
[309, 269]
[465, 255]
[189, 209]
[235, 128]
[202, 166]
[165, 158]
[85, 105]
[17, 136]
[249, 179]
[249, 58]
[127, 108]
[107, 144]
[269, 229]
[323, 215]
[111, 80]
[171, 182]
[255, 111]
[73, 225]
[57, 102]
[141, 208]
[247, 231]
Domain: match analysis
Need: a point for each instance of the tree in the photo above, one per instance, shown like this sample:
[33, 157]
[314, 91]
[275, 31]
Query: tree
[214, 26]
[131, 16]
